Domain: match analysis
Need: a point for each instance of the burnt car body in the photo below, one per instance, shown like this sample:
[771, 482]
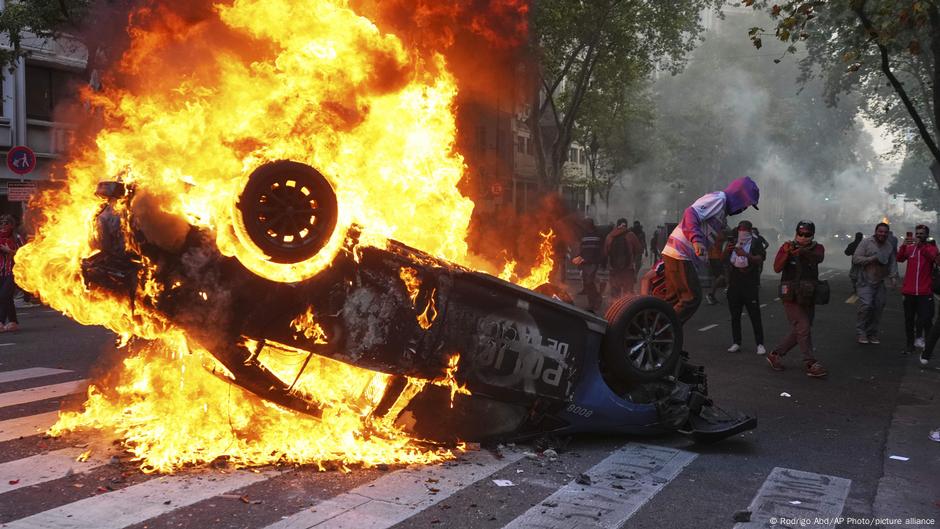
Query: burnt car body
[534, 365]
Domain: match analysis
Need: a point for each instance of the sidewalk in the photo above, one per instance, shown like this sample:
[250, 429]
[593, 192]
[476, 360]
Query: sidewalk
[911, 488]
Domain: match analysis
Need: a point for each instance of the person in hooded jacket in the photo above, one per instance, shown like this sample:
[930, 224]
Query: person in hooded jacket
[688, 244]
[620, 249]
[917, 288]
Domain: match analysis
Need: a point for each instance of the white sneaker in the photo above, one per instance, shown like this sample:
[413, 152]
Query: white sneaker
[918, 343]
[734, 348]
[923, 361]
[761, 350]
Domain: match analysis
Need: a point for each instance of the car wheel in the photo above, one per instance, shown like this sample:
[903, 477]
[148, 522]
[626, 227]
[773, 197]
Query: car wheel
[644, 339]
[289, 210]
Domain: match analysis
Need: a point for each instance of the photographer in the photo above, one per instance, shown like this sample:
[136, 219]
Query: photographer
[798, 263]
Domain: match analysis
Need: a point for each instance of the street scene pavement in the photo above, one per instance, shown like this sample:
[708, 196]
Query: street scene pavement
[850, 450]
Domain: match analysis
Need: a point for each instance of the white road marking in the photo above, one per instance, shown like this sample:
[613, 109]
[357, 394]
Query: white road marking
[398, 496]
[12, 398]
[776, 299]
[620, 485]
[707, 327]
[138, 503]
[764, 305]
[33, 372]
[26, 426]
[794, 494]
[6, 344]
[44, 467]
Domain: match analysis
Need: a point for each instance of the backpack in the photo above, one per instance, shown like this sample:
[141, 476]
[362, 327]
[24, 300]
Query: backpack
[620, 256]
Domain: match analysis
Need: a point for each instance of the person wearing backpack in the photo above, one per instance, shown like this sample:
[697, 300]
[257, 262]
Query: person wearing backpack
[917, 288]
[620, 249]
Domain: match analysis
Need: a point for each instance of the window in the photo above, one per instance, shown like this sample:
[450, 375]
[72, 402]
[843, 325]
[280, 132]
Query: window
[46, 88]
[520, 144]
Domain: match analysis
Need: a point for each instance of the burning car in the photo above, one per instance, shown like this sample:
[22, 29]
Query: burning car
[506, 362]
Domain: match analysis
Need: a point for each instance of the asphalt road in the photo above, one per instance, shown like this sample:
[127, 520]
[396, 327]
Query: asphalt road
[847, 451]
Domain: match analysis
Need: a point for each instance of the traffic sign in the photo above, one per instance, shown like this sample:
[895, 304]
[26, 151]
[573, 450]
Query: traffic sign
[21, 159]
[20, 191]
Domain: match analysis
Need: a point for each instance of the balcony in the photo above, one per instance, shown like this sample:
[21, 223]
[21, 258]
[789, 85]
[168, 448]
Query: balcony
[48, 138]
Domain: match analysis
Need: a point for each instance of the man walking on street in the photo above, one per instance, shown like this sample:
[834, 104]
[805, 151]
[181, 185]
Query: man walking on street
[689, 242]
[620, 247]
[798, 263]
[918, 294]
[589, 259]
[850, 251]
[876, 257]
[641, 238]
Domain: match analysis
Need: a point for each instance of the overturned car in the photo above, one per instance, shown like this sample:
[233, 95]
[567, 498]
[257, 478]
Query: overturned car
[533, 364]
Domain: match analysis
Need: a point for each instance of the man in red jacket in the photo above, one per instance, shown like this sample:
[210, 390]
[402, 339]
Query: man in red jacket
[918, 294]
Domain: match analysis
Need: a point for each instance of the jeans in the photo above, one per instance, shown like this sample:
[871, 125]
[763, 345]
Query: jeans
[742, 297]
[871, 304]
[683, 285]
[918, 314]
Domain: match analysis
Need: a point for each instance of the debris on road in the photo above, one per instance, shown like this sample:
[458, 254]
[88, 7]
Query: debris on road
[584, 479]
[742, 516]
[785, 394]
[900, 458]
[503, 483]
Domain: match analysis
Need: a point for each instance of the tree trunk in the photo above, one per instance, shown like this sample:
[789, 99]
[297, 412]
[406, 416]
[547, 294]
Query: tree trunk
[925, 133]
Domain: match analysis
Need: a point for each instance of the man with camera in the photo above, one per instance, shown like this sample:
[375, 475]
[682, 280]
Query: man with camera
[798, 263]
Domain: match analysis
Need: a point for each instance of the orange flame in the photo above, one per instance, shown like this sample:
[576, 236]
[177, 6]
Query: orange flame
[194, 108]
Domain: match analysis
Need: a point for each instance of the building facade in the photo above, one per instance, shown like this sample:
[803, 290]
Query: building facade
[35, 94]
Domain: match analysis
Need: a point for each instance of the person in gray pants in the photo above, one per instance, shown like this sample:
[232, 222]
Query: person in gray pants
[876, 257]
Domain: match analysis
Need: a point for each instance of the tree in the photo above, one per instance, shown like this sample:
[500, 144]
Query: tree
[857, 45]
[914, 181]
[40, 18]
[587, 47]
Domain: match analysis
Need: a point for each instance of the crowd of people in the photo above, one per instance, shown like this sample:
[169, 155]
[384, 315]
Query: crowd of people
[733, 260]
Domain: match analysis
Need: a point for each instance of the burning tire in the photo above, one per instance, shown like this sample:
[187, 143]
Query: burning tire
[644, 339]
[289, 211]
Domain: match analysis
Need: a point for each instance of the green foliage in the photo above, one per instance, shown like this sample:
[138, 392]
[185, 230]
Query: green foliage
[40, 18]
[590, 52]
[915, 181]
[858, 45]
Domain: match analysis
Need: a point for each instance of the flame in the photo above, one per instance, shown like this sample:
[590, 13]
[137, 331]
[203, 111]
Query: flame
[409, 276]
[306, 323]
[191, 110]
[540, 272]
[449, 379]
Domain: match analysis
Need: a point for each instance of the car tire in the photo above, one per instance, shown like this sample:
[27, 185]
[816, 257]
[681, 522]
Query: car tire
[289, 210]
[644, 339]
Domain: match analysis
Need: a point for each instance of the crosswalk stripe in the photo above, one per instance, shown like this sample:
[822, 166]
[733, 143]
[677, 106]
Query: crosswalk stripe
[44, 467]
[12, 398]
[398, 496]
[619, 486]
[138, 503]
[789, 494]
[26, 426]
[32, 372]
